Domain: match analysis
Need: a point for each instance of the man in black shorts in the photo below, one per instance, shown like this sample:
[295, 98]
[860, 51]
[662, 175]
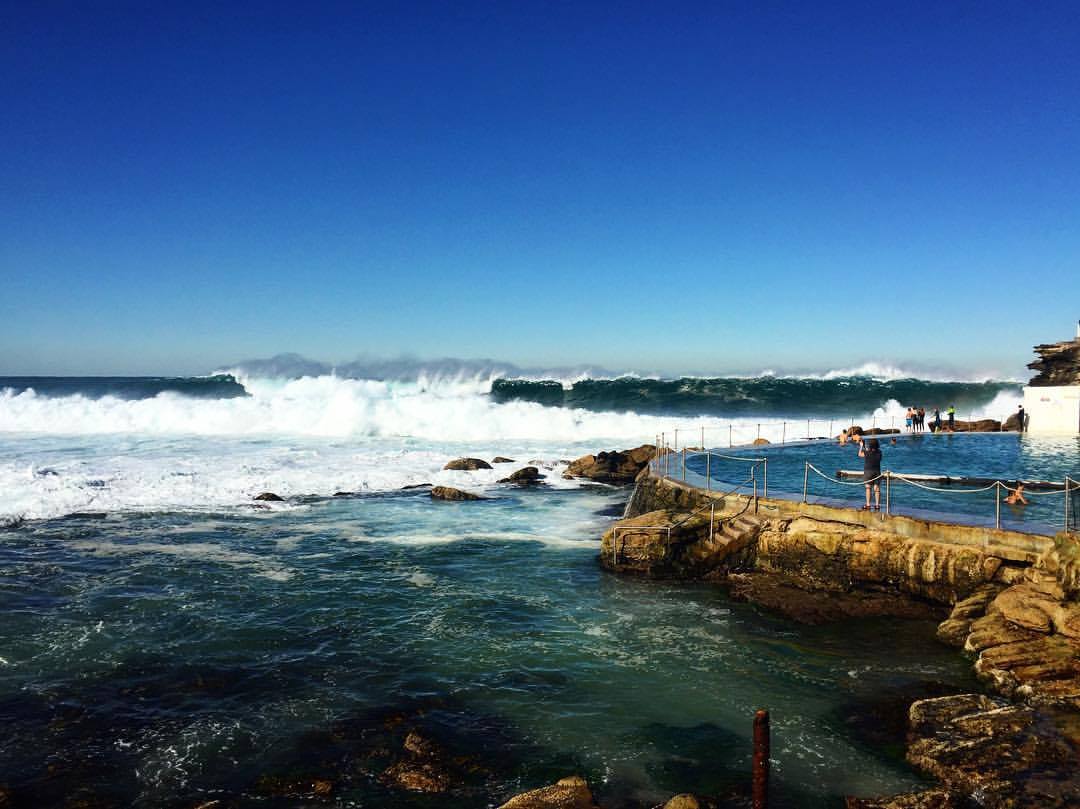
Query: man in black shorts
[871, 455]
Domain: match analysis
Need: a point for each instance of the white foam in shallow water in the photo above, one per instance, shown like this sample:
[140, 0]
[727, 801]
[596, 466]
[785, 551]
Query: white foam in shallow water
[194, 551]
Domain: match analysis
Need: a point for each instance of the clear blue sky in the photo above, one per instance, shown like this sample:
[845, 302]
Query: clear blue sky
[710, 187]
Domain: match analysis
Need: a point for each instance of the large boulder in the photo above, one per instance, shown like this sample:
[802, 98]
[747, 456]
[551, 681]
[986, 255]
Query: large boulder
[450, 493]
[568, 793]
[997, 755]
[621, 466]
[526, 476]
[467, 464]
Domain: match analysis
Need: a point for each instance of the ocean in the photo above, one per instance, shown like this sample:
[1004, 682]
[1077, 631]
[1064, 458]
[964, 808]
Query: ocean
[167, 640]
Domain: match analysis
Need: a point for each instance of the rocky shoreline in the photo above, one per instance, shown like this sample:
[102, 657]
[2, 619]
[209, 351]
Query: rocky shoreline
[1011, 601]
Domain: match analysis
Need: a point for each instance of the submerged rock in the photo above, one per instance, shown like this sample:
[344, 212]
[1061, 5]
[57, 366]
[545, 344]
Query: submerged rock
[269, 497]
[450, 493]
[621, 466]
[568, 793]
[416, 776]
[527, 476]
[467, 464]
[930, 799]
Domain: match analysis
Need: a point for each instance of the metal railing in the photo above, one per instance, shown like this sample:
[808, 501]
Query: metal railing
[668, 528]
[998, 486]
[665, 467]
[784, 431]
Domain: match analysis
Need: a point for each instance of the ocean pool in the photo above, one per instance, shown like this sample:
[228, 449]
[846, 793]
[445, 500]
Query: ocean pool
[1004, 456]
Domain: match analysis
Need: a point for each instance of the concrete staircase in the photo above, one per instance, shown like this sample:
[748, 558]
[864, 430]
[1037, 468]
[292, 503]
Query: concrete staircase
[729, 537]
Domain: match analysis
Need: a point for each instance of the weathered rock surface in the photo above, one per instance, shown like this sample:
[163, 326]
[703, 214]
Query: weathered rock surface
[568, 793]
[269, 497]
[467, 464]
[450, 493]
[790, 596]
[1000, 755]
[929, 799]
[955, 629]
[1058, 364]
[501, 459]
[422, 768]
[526, 476]
[621, 466]
[688, 800]
[841, 556]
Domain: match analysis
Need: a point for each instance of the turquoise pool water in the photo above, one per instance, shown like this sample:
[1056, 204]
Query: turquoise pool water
[1005, 456]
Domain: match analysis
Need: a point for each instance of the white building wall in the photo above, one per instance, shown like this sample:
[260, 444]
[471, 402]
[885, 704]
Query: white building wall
[1053, 409]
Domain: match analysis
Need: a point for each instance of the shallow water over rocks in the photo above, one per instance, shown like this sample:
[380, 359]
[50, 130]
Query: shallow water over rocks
[267, 658]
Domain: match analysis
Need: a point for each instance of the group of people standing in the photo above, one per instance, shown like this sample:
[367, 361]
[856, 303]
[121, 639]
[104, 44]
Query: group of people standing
[915, 420]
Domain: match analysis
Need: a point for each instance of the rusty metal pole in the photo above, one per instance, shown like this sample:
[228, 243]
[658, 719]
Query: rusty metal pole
[761, 760]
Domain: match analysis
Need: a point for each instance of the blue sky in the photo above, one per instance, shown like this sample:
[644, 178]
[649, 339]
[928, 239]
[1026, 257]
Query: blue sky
[677, 187]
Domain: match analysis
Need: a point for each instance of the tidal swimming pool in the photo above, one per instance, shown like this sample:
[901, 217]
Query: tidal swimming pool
[1004, 456]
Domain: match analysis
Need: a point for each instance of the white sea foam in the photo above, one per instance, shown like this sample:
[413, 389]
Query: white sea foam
[320, 435]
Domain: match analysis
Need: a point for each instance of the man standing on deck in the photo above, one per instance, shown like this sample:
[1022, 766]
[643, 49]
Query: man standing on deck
[871, 455]
[951, 413]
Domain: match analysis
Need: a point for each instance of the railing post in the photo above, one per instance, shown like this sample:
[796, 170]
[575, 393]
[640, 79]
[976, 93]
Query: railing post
[765, 487]
[676, 445]
[712, 520]
[1066, 504]
[783, 434]
[760, 799]
[684, 464]
[759, 430]
[888, 492]
[754, 478]
[729, 437]
[997, 503]
[806, 477]
[708, 471]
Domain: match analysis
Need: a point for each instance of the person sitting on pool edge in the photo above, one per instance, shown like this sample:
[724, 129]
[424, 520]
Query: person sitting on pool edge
[1017, 497]
[871, 455]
